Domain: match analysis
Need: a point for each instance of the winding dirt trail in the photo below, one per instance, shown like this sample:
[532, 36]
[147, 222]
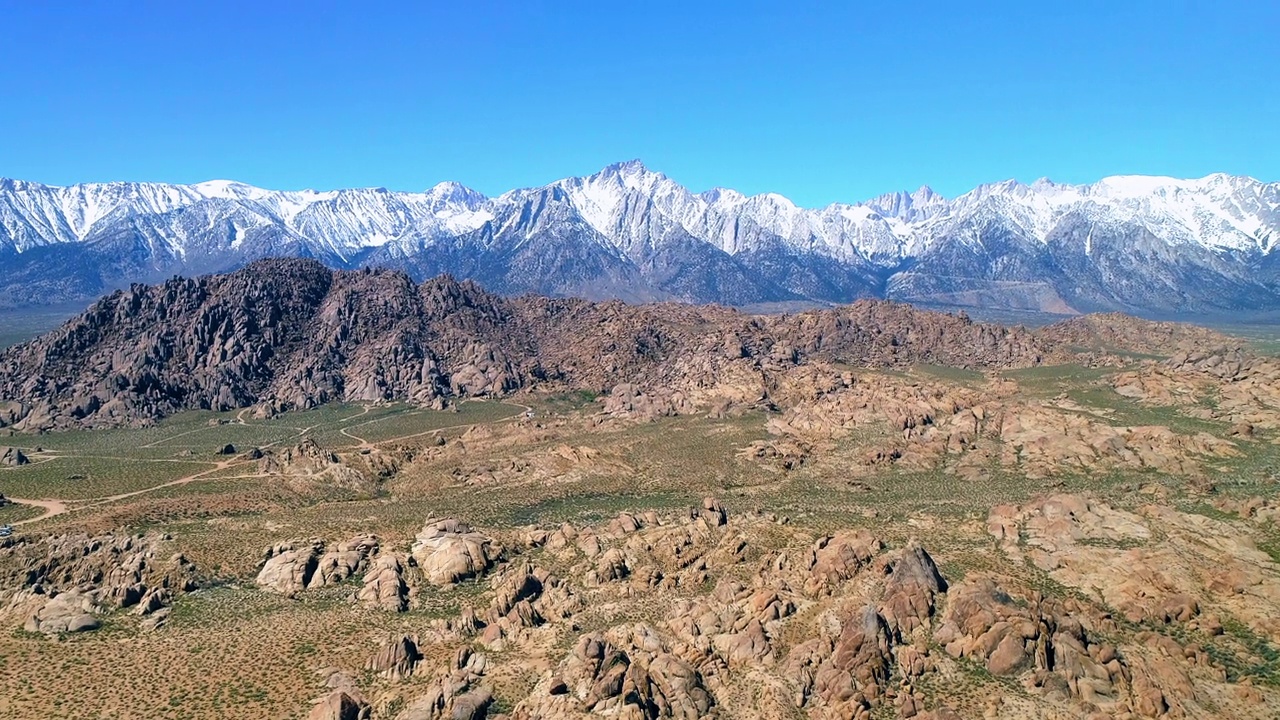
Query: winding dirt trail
[51, 508]
[365, 443]
[54, 507]
[346, 430]
[524, 409]
[220, 465]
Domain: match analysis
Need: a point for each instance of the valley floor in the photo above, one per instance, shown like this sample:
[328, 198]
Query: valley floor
[1053, 542]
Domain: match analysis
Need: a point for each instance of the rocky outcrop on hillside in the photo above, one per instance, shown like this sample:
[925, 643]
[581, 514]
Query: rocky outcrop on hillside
[1157, 565]
[291, 566]
[1214, 383]
[761, 619]
[968, 429]
[1117, 331]
[291, 334]
[68, 583]
[449, 551]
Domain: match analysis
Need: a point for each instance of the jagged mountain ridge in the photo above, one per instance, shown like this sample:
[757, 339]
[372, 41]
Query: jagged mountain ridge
[285, 334]
[1130, 243]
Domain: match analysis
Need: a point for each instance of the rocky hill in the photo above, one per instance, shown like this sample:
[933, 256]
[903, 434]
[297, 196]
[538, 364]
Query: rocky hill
[1116, 331]
[288, 334]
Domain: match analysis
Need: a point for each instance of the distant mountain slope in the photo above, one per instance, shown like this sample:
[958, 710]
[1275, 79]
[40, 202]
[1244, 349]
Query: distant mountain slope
[1134, 243]
[287, 333]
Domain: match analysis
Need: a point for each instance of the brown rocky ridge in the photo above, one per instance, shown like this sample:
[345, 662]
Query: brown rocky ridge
[290, 334]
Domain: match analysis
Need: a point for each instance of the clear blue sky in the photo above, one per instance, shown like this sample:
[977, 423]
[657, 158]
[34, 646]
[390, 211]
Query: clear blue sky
[818, 101]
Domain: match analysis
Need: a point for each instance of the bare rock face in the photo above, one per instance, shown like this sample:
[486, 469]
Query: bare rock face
[844, 673]
[964, 430]
[1256, 509]
[1157, 565]
[749, 647]
[449, 551]
[71, 611]
[638, 678]
[735, 626]
[395, 658]
[611, 566]
[294, 565]
[834, 560]
[910, 589]
[343, 561]
[1245, 388]
[12, 457]
[1222, 362]
[66, 583]
[1044, 441]
[632, 400]
[1101, 331]
[712, 513]
[837, 627]
[342, 699]
[384, 585]
[459, 692]
[985, 621]
[344, 704]
[307, 466]
[1049, 639]
[289, 566]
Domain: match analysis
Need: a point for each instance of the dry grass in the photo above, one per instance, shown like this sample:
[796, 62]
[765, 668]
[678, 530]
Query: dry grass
[232, 651]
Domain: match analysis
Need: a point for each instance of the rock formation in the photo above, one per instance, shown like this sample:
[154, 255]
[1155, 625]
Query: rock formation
[292, 566]
[66, 583]
[12, 457]
[449, 551]
[282, 334]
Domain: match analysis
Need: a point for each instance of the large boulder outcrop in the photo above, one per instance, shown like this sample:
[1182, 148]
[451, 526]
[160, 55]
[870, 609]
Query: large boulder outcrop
[286, 334]
[66, 583]
[460, 692]
[343, 561]
[448, 551]
[847, 671]
[71, 611]
[12, 457]
[342, 704]
[1156, 565]
[395, 658]
[910, 589]
[384, 584]
[288, 566]
[626, 672]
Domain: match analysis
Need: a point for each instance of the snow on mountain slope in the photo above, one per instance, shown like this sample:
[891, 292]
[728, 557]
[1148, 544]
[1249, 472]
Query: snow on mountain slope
[621, 202]
[344, 221]
[1219, 212]
[642, 235]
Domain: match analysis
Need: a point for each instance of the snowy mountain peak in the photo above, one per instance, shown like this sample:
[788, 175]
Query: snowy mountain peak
[1124, 242]
[909, 207]
[631, 174]
[229, 190]
[722, 194]
[925, 194]
[1140, 185]
[457, 193]
[627, 167]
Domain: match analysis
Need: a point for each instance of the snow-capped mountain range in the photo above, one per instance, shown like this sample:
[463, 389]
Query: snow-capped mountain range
[1136, 243]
